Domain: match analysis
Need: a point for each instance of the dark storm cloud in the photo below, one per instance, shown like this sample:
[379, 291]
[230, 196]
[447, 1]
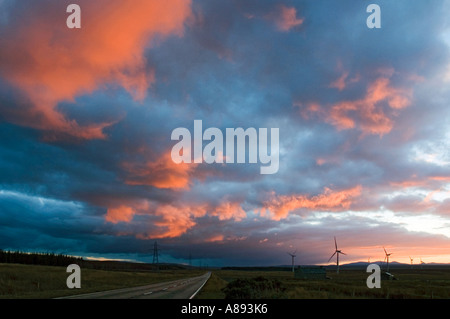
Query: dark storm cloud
[234, 67]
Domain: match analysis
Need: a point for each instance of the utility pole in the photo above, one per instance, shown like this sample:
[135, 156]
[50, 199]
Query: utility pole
[156, 255]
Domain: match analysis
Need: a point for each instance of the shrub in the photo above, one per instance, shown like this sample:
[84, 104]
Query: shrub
[256, 288]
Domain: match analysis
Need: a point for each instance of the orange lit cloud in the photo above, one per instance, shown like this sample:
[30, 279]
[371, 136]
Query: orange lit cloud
[215, 238]
[286, 18]
[162, 173]
[120, 214]
[430, 193]
[126, 212]
[342, 82]
[367, 114]
[173, 220]
[229, 210]
[176, 220]
[432, 182]
[281, 206]
[53, 64]
[408, 183]
[445, 179]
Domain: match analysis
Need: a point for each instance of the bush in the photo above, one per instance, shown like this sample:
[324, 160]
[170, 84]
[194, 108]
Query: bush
[256, 288]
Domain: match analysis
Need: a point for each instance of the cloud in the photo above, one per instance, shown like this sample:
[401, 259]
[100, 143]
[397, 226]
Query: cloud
[50, 65]
[162, 173]
[343, 81]
[285, 18]
[281, 206]
[121, 213]
[359, 118]
[368, 114]
[171, 220]
[176, 220]
[229, 210]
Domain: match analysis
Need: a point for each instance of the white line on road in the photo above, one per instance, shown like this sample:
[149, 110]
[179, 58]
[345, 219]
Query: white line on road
[195, 293]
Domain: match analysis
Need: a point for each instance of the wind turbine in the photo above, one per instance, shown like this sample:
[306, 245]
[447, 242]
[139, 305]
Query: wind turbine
[336, 252]
[387, 258]
[411, 261]
[421, 263]
[293, 255]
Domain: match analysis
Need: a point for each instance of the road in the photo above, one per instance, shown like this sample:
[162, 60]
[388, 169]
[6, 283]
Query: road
[177, 289]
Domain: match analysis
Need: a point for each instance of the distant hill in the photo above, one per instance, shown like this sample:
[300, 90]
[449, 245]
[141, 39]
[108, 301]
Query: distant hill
[259, 268]
[354, 265]
[393, 264]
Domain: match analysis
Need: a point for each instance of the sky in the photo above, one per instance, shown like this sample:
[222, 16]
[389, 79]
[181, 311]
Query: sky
[86, 118]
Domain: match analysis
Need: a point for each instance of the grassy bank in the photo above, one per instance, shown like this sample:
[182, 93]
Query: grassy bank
[349, 284]
[34, 281]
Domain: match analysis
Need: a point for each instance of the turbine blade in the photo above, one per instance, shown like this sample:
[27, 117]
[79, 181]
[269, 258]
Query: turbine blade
[343, 253]
[335, 242]
[331, 256]
[385, 250]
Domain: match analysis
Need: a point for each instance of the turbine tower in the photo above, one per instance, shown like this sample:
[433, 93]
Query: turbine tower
[387, 258]
[336, 252]
[421, 263]
[293, 255]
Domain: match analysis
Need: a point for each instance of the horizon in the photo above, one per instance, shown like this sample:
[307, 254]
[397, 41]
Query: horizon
[199, 262]
[360, 119]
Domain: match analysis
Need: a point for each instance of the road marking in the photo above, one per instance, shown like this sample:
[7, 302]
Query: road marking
[195, 293]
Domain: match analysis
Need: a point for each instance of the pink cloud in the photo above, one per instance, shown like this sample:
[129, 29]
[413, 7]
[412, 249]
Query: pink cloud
[125, 212]
[173, 220]
[285, 18]
[53, 64]
[281, 206]
[215, 238]
[162, 173]
[229, 210]
[343, 81]
[373, 114]
[120, 214]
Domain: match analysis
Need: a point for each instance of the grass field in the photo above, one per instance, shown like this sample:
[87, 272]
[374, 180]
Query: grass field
[33, 281]
[349, 284]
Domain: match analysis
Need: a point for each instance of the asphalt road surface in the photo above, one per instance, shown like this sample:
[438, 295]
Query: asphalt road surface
[177, 289]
